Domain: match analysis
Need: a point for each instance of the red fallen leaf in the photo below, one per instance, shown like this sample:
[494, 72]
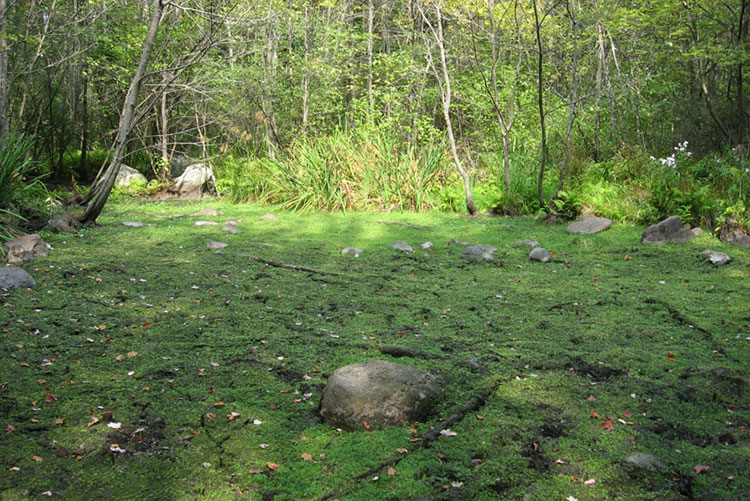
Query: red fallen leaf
[212, 390]
[50, 398]
[594, 414]
[367, 426]
[272, 466]
[625, 414]
[10, 428]
[700, 468]
[194, 432]
[671, 357]
[146, 324]
[591, 398]
[607, 425]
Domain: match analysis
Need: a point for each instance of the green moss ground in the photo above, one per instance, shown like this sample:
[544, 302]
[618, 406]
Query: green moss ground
[147, 328]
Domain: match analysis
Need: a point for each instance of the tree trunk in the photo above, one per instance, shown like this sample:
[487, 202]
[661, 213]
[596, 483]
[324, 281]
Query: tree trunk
[573, 98]
[102, 189]
[540, 100]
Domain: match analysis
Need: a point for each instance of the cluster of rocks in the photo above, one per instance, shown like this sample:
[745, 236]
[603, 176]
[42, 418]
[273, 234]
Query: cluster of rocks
[20, 250]
[189, 181]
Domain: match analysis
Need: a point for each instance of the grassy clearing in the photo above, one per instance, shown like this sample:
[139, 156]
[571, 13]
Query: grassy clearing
[147, 328]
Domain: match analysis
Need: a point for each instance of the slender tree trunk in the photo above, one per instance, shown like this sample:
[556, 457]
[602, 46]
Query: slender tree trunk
[572, 14]
[444, 82]
[370, 97]
[84, 144]
[102, 189]
[305, 72]
[4, 123]
[540, 101]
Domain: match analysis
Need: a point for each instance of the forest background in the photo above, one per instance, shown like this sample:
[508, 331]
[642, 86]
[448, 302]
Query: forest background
[630, 109]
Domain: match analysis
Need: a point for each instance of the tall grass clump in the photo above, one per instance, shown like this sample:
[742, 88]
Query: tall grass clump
[17, 185]
[343, 171]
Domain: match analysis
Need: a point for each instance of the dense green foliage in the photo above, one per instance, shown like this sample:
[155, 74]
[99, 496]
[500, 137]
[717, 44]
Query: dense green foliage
[145, 339]
[338, 105]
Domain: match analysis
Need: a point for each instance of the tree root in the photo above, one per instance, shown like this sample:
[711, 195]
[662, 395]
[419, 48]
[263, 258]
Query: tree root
[292, 266]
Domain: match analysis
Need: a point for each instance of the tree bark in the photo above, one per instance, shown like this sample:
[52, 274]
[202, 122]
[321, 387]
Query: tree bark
[102, 189]
[540, 100]
[4, 123]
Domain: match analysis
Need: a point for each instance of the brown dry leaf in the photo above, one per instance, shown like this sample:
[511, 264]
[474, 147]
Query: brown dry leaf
[101, 327]
[272, 466]
[132, 354]
[401, 450]
[219, 404]
[120, 358]
[306, 457]
[480, 417]
[93, 421]
[233, 415]
[59, 421]
[210, 415]
[10, 428]
[412, 430]
[392, 472]
[37, 459]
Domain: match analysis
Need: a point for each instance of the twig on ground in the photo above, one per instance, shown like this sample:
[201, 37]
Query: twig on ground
[292, 266]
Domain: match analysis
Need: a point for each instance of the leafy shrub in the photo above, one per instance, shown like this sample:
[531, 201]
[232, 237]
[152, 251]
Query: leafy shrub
[17, 189]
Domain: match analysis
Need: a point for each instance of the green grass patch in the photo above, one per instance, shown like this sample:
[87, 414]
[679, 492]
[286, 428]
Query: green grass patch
[147, 328]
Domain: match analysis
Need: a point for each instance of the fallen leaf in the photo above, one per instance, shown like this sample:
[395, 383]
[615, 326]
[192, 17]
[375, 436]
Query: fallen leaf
[590, 481]
[146, 324]
[480, 417]
[367, 426]
[607, 425]
[219, 404]
[10, 428]
[93, 421]
[47, 493]
[671, 357]
[700, 468]
[594, 414]
[306, 457]
[448, 433]
[392, 472]
[132, 354]
[59, 421]
[37, 459]
[591, 398]
[120, 358]
[50, 398]
[257, 422]
[210, 415]
[114, 426]
[206, 464]
[401, 450]
[272, 466]
[233, 415]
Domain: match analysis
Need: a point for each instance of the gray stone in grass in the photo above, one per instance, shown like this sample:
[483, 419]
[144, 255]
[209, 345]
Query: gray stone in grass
[133, 224]
[127, 175]
[453, 241]
[26, 248]
[206, 223]
[666, 231]
[380, 393]
[636, 462]
[539, 254]
[268, 217]
[734, 232]
[231, 228]
[697, 232]
[400, 245]
[716, 258]
[479, 253]
[588, 225]
[12, 277]
[425, 245]
[352, 250]
[234, 221]
[528, 242]
[207, 212]
[62, 223]
[216, 245]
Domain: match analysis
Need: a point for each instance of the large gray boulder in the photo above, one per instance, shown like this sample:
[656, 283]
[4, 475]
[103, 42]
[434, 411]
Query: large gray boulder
[479, 253]
[12, 277]
[128, 175]
[588, 225]
[379, 393]
[26, 248]
[733, 232]
[716, 258]
[669, 230]
[195, 181]
[402, 246]
[539, 254]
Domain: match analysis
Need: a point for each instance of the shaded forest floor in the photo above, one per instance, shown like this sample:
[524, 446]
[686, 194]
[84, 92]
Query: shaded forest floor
[145, 366]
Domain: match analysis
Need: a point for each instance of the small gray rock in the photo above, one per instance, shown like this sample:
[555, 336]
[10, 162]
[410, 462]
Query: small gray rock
[230, 228]
[697, 232]
[206, 223]
[216, 245]
[380, 393]
[352, 250]
[527, 242]
[425, 245]
[716, 258]
[400, 245]
[539, 254]
[588, 225]
[636, 461]
[62, 223]
[268, 217]
[479, 253]
[207, 212]
[133, 224]
[10, 276]
[234, 221]
[453, 241]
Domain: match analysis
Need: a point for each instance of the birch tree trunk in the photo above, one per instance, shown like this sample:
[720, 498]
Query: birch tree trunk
[101, 189]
